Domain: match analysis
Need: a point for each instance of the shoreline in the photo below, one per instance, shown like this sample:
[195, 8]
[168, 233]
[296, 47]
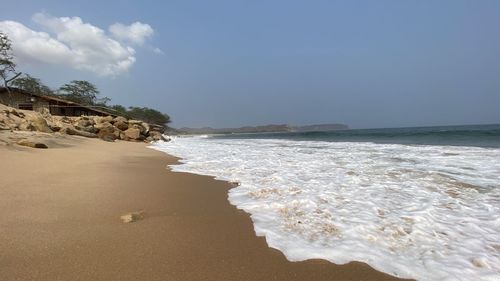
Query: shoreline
[62, 209]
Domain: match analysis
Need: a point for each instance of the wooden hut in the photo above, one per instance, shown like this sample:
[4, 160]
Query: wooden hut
[21, 99]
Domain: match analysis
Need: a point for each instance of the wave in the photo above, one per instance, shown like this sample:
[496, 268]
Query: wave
[423, 212]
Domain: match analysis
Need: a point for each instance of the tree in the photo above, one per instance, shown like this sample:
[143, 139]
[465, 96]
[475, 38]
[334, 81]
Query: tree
[7, 66]
[32, 85]
[148, 115]
[119, 109]
[83, 92]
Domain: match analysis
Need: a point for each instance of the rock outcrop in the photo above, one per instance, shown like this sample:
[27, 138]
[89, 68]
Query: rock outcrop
[32, 144]
[106, 128]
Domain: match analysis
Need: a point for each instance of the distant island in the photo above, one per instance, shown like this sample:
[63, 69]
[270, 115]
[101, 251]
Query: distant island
[273, 128]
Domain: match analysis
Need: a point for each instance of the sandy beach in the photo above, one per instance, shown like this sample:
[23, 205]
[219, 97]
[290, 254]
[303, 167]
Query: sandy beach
[61, 211]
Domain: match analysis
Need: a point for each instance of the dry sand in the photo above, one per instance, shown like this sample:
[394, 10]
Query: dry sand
[60, 220]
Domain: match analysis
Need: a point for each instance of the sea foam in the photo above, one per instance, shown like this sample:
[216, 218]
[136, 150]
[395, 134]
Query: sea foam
[423, 212]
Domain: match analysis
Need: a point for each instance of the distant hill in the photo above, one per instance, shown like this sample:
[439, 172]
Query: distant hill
[246, 129]
[320, 128]
[260, 129]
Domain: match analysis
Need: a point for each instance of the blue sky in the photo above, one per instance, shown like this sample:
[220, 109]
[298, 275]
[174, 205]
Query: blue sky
[233, 63]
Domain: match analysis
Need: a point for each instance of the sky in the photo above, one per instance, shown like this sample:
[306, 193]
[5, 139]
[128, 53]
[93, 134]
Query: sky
[367, 64]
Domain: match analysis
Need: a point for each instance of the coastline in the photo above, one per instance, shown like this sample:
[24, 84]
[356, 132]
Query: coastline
[62, 209]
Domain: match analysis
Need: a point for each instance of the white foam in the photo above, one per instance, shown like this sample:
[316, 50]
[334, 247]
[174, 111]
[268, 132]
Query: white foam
[423, 212]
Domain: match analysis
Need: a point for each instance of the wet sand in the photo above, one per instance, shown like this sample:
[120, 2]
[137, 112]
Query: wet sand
[61, 211]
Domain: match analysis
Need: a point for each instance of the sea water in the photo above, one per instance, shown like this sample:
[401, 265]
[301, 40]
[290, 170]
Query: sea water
[419, 203]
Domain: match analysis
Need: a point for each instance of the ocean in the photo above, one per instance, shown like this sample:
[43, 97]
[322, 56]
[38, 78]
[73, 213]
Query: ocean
[419, 203]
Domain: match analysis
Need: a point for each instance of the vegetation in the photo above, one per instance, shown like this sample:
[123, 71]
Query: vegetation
[148, 115]
[32, 85]
[7, 66]
[145, 114]
[82, 92]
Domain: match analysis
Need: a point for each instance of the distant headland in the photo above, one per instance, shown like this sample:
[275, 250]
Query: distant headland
[273, 128]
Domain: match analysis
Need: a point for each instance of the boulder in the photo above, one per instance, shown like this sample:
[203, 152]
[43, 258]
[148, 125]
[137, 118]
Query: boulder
[73, 131]
[138, 124]
[124, 137]
[103, 125]
[39, 123]
[26, 126]
[133, 133]
[90, 129]
[135, 122]
[4, 126]
[55, 123]
[146, 128]
[15, 112]
[55, 128]
[65, 119]
[9, 121]
[85, 123]
[108, 133]
[103, 119]
[32, 144]
[121, 125]
[157, 128]
[157, 136]
[120, 119]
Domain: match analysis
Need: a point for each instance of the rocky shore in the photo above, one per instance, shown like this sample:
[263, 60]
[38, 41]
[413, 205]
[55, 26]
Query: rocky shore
[107, 128]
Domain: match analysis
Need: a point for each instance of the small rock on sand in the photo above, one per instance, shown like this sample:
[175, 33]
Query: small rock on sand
[132, 217]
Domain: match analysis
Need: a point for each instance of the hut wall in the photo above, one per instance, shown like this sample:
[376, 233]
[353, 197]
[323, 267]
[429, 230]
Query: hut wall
[23, 101]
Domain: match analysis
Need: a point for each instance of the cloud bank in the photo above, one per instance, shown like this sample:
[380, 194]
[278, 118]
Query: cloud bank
[70, 42]
[136, 33]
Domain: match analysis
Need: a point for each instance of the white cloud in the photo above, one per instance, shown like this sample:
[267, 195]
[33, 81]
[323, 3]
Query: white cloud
[136, 33]
[158, 51]
[74, 43]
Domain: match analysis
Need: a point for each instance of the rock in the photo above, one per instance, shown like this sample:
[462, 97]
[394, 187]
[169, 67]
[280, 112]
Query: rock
[132, 217]
[3, 126]
[65, 119]
[149, 139]
[134, 122]
[156, 128]
[134, 133]
[14, 112]
[32, 144]
[137, 124]
[120, 119]
[103, 125]
[108, 133]
[39, 123]
[103, 119]
[72, 131]
[84, 123]
[55, 123]
[124, 137]
[121, 125]
[146, 128]
[157, 136]
[55, 128]
[90, 129]
[26, 126]
[11, 120]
